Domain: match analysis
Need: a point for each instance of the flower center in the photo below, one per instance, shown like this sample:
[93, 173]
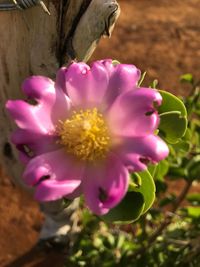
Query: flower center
[85, 135]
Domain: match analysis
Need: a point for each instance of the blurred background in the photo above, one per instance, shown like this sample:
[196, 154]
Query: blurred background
[161, 37]
[158, 36]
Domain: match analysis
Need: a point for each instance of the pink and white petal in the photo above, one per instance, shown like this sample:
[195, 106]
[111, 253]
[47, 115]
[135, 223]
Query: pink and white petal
[49, 190]
[108, 65]
[39, 88]
[105, 186]
[29, 117]
[123, 77]
[126, 74]
[138, 151]
[134, 162]
[40, 143]
[41, 118]
[86, 86]
[56, 165]
[133, 113]
[60, 110]
[49, 95]
[30, 144]
[76, 193]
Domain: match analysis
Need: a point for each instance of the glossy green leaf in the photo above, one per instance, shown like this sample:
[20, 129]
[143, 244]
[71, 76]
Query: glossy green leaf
[171, 103]
[172, 126]
[147, 188]
[152, 169]
[129, 209]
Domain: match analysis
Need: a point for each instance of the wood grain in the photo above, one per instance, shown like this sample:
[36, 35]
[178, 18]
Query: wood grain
[28, 41]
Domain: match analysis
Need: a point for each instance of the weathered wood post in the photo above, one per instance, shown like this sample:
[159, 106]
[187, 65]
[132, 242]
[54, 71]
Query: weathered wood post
[34, 43]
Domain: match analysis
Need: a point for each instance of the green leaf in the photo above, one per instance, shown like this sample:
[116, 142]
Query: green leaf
[152, 169]
[188, 77]
[193, 212]
[129, 209]
[171, 103]
[173, 115]
[161, 186]
[161, 170]
[147, 188]
[172, 126]
[182, 146]
[194, 198]
[176, 173]
[135, 182]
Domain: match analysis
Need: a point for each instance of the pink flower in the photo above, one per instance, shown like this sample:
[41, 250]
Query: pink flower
[86, 132]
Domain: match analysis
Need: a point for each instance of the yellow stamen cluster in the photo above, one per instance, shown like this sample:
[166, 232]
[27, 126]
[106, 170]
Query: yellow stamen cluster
[85, 135]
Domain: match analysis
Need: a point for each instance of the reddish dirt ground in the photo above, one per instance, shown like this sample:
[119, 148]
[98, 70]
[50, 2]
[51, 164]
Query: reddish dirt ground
[160, 37]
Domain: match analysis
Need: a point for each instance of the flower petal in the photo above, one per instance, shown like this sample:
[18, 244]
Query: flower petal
[133, 113]
[76, 193]
[51, 97]
[30, 145]
[50, 190]
[138, 151]
[29, 117]
[38, 87]
[37, 122]
[52, 167]
[105, 186]
[123, 77]
[86, 86]
[36, 131]
[52, 105]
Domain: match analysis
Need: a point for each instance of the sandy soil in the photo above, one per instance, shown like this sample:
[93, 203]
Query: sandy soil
[160, 37]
